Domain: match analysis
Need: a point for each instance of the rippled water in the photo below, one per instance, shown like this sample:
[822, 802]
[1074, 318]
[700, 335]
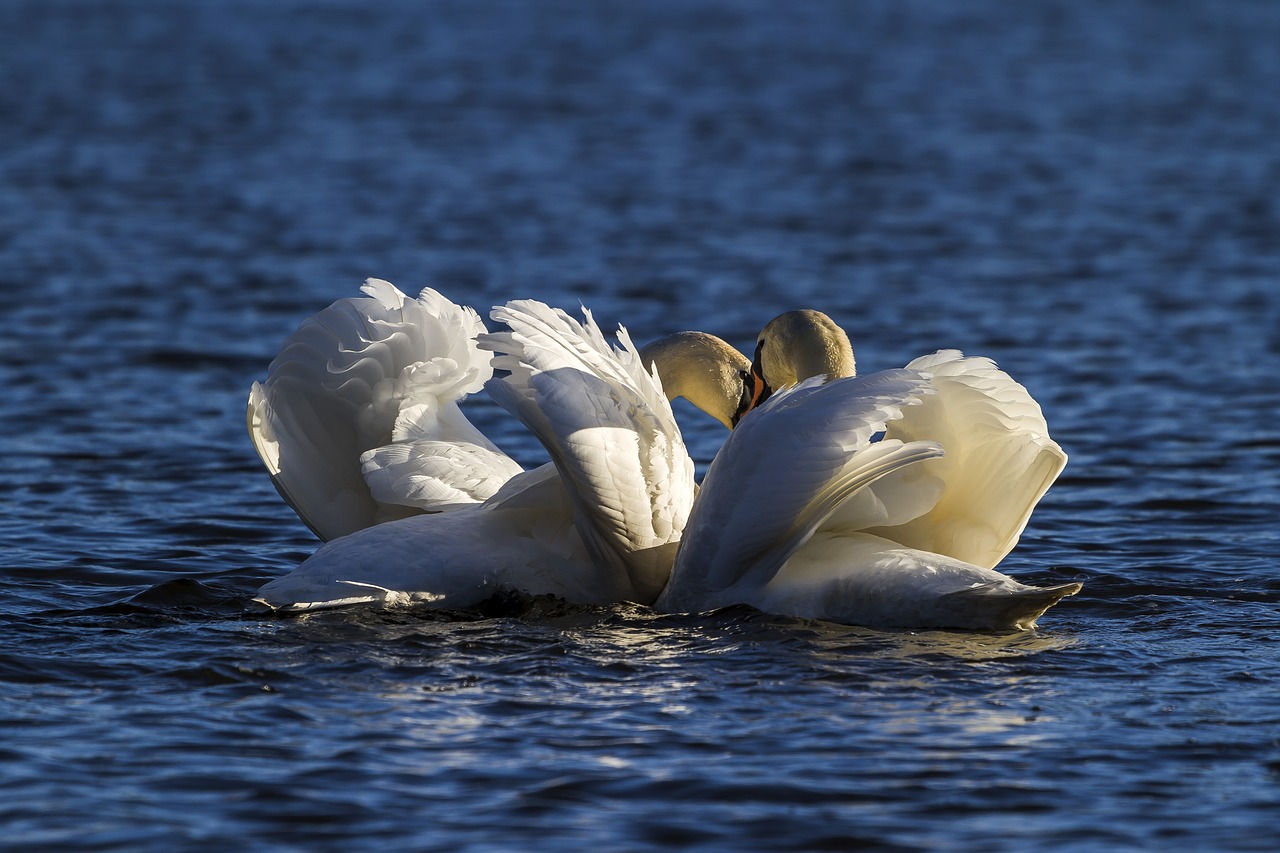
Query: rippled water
[1085, 191]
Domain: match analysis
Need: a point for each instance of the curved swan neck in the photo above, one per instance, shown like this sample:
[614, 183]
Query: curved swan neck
[703, 369]
[800, 344]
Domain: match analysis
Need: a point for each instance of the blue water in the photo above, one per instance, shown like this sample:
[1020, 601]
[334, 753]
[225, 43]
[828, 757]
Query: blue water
[1088, 192]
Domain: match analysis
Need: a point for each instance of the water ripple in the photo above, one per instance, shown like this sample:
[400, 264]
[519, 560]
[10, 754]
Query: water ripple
[1079, 192]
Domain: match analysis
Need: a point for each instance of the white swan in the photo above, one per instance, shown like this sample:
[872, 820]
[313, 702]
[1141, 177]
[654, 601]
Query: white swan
[802, 513]
[358, 423]
[882, 500]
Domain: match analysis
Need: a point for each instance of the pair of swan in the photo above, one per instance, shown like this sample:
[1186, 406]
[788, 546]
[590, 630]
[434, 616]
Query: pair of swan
[880, 500]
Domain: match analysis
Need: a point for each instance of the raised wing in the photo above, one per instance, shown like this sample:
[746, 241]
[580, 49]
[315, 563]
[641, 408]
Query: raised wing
[609, 430]
[783, 471]
[999, 459]
[360, 395]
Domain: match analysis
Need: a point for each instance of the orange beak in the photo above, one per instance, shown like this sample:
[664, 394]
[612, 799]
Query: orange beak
[754, 389]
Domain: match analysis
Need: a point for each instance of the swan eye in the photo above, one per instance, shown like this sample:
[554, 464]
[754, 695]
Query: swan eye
[744, 400]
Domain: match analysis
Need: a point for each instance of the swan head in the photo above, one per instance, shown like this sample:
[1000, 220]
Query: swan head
[704, 370]
[793, 347]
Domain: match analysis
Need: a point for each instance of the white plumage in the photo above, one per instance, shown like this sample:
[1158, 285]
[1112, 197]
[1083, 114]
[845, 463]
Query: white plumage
[358, 419]
[935, 470]
[610, 432]
[881, 500]
[600, 524]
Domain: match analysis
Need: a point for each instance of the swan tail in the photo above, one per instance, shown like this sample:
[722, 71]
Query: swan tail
[364, 373]
[999, 608]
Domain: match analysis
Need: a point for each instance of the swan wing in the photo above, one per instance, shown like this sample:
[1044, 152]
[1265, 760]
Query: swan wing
[361, 375]
[999, 460]
[782, 472]
[435, 475]
[609, 430]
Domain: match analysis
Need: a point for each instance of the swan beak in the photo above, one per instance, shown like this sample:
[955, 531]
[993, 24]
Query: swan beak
[754, 389]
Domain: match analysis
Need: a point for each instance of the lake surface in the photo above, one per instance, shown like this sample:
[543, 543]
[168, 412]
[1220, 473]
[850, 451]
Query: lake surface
[1087, 192]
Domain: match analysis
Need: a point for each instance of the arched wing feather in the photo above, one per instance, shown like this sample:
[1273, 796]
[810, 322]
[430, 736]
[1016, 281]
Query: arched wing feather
[364, 373]
[609, 430]
[999, 459]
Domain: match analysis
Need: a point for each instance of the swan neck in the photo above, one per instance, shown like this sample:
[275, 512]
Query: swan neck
[701, 368]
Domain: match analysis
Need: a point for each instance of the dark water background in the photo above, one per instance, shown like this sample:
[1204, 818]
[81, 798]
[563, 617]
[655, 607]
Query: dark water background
[1088, 192]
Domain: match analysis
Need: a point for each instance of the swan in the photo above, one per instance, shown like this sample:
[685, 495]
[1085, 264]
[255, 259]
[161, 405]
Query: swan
[883, 500]
[359, 426]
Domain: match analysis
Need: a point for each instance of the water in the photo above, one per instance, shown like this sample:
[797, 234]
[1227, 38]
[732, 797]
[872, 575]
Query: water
[1085, 191]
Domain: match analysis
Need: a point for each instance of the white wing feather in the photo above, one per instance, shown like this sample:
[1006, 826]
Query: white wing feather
[435, 474]
[609, 430]
[783, 471]
[999, 460]
[363, 374]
